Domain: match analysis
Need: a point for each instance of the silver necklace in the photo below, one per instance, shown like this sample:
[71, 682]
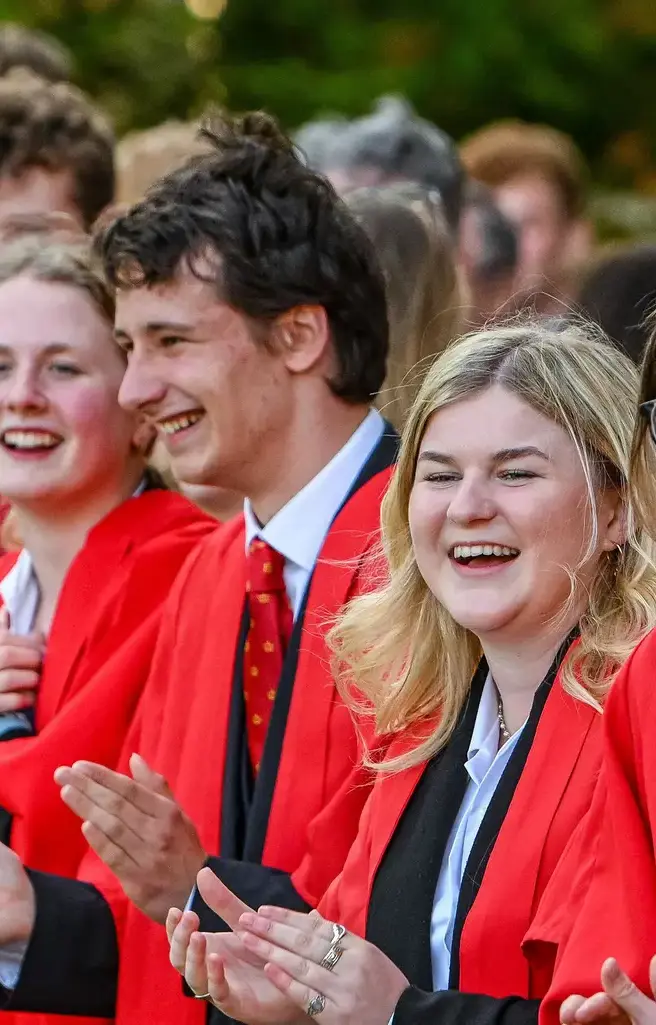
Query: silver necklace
[503, 729]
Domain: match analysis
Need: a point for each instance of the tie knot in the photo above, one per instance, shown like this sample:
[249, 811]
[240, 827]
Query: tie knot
[265, 566]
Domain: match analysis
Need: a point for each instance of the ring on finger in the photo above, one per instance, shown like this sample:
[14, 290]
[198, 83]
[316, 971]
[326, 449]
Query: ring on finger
[202, 996]
[331, 959]
[316, 1005]
[339, 932]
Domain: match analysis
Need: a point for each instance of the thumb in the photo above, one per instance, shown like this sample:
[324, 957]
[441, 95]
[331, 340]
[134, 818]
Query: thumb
[624, 992]
[220, 899]
[142, 773]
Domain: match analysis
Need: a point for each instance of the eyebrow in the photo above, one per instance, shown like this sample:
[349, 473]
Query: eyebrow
[49, 350]
[503, 456]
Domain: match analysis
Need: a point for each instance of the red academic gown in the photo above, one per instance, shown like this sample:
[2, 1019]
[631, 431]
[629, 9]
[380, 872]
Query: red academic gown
[608, 884]
[98, 657]
[188, 729]
[386, 889]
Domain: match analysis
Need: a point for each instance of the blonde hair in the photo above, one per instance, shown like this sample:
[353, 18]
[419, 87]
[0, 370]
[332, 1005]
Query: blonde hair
[424, 301]
[398, 651]
[643, 455]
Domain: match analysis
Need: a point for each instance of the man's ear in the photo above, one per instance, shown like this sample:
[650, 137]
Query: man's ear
[302, 337]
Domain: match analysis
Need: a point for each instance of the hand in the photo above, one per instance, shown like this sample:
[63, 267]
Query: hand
[136, 827]
[363, 988]
[17, 903]
[619, 1003]
[219, 965]
[21, 661]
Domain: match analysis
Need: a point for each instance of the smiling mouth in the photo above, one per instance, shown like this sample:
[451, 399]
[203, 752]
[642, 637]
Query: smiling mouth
[482, 555]
[21, 440]
[175, 424]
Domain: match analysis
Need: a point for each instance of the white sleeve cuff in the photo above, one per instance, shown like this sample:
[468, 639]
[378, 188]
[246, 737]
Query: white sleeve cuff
[12, 956]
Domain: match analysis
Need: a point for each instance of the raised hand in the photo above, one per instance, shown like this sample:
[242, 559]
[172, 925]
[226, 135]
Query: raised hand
[21, 661]
[138, 829]
[218, 967]
[619, 1002]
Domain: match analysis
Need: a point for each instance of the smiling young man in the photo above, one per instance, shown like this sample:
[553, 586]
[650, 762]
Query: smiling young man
[253, 315]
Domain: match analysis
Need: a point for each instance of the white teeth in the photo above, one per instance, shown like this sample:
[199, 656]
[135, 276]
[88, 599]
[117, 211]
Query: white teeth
[179, 423]
[30, 439]
[472, 551]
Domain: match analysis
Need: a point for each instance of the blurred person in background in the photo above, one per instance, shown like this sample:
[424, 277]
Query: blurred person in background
[424, 299]
[22, 47]
[489, 254]
[538, 179]
[56, 151]
[389, 145]
[619, 294]
[142, 158]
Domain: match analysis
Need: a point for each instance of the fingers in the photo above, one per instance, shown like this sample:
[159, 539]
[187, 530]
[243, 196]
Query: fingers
[299, 968]
[186, 925]
[217, 985]
[107, 788]
[220, 899]
[623, 991]
[18, 654]
[569, 1008]
[195, 971]
[297, 992]
[108, 850]
[18, 689]
[173, 919]
[143, 774]
[652, 975]
[598, 1008]
[311, 937]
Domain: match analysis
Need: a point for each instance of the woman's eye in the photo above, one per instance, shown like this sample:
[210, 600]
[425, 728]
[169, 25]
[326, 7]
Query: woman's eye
[65, 369]
[169, 341]
[447, 477]
[517, 475]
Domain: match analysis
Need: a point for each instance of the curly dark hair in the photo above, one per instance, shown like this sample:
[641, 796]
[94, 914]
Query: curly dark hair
[283, 236]
[55, 126]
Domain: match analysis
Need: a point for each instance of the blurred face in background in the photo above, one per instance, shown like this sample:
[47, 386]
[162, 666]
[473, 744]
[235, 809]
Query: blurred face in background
[38, 192]
[545, 232]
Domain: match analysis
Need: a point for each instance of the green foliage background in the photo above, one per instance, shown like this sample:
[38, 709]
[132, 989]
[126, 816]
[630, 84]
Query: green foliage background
[586, 66]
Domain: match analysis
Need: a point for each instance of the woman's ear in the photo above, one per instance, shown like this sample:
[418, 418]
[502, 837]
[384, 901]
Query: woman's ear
[615, 521]
[144, 438]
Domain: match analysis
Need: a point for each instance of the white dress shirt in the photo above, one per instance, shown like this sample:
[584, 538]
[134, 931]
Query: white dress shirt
[20, 594]
[485, 764]
[299, 529]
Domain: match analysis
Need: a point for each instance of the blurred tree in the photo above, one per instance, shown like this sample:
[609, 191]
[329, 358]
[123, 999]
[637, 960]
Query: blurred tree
[585, 66]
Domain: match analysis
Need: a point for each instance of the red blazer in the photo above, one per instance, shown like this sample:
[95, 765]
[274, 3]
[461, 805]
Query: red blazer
[98, 657]
[186, 720]
[554, 791]
[608, 886]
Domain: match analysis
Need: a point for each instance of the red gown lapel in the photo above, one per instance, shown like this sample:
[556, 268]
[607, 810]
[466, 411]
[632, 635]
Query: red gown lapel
[554, 791]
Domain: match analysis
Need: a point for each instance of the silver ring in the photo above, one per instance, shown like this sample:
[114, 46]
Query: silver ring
[332, 957]
[316, 1006]
[339, 932]
[202, 996]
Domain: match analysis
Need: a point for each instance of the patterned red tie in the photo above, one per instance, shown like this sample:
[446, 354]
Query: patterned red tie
[268, 636]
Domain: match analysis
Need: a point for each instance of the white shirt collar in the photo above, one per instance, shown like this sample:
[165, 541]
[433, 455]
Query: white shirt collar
[299, 529]
[484, 743]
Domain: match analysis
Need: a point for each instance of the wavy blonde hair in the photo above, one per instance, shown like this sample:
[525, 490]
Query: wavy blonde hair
[399, 653]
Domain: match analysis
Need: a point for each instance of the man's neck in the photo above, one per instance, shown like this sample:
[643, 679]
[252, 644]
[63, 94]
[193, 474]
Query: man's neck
[307, 449]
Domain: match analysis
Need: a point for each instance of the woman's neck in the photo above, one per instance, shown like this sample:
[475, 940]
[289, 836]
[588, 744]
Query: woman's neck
[54, 536]
[518, 670]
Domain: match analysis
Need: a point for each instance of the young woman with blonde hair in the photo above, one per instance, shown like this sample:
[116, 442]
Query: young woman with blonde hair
[518, 587]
